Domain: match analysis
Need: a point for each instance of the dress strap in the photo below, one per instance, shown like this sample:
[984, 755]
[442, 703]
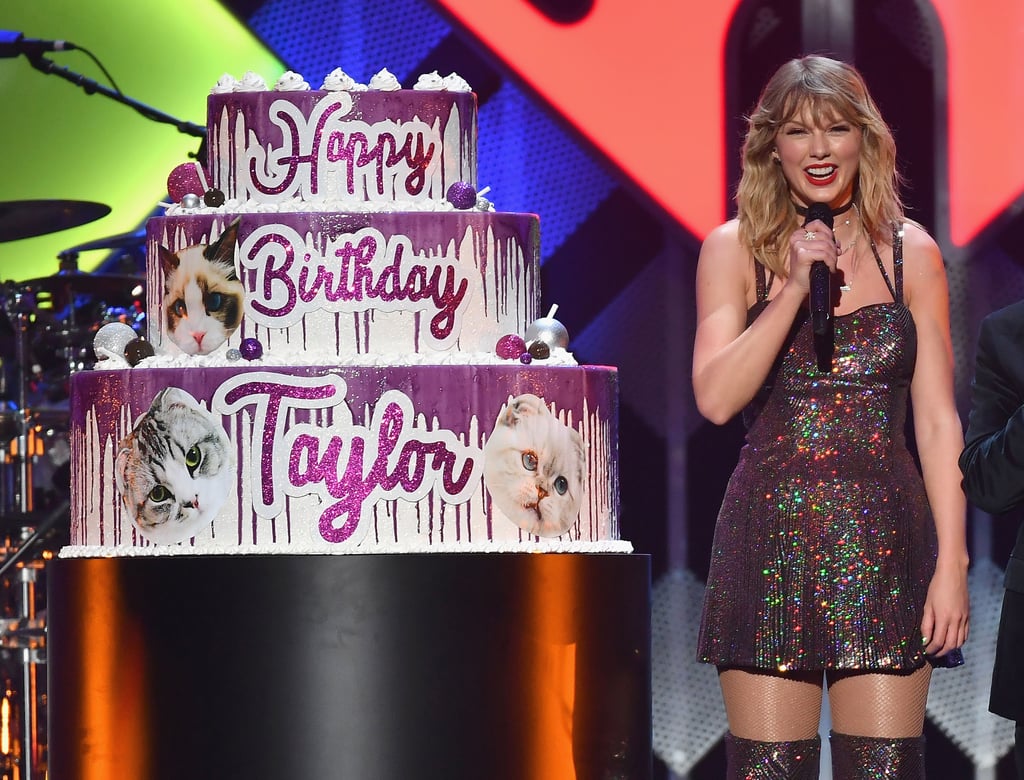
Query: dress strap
[897, 262]
[897, 259]
[762, 285]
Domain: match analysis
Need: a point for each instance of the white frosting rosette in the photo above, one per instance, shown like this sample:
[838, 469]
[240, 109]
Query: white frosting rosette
[385, 81]
[251, 82]
[430, 82]
[226, 83]
[453, 82]
[339, 81]
[291, 82]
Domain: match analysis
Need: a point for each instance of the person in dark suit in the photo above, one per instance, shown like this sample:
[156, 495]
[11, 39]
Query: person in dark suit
[992, 464]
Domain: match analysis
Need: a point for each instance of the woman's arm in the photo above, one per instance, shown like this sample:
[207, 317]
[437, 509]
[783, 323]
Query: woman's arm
[939, 436]
[730, 360]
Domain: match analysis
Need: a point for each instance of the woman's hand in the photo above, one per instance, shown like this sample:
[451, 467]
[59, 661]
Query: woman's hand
[807, 245]
[946, 621]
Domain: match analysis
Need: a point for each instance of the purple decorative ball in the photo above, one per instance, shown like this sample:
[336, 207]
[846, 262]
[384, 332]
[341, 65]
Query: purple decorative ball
[462, 195]
[251, 349]
[510, 347]
[137, 350]
[185, 179]
[526, 358]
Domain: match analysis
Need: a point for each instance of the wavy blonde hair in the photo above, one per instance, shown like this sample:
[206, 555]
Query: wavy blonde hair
[831, 90]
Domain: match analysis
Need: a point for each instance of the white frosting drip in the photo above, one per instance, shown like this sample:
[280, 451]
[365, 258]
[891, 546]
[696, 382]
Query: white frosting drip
[291, 82]
[385, 81]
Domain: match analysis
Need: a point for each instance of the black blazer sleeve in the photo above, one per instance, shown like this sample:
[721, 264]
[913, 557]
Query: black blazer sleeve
[992, 462]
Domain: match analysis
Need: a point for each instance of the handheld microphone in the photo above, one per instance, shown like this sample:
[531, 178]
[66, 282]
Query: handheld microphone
[14, 43]
[821, 277]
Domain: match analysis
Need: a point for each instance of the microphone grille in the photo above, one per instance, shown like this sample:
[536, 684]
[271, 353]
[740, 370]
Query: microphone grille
[820, 211]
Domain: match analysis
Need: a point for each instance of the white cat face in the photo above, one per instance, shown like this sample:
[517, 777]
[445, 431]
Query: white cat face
[534, 467]
[174, 471]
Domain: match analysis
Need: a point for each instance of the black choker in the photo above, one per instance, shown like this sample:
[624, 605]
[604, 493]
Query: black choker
[802, 210]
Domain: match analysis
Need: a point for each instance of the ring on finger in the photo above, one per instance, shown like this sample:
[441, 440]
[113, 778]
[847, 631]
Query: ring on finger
[810, 235]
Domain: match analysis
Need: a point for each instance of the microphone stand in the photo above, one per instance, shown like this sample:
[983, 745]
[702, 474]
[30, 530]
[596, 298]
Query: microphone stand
[40, 63]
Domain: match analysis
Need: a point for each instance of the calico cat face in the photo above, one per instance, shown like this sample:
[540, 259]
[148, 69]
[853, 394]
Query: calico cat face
[174, 470]
[534, 467]
[202, 295]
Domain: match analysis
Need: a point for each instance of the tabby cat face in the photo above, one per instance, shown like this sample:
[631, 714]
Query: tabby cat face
[534, 467]
[203, 298]
[175, 469]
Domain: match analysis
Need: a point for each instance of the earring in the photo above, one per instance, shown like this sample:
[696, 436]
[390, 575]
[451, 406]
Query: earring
[775, 157]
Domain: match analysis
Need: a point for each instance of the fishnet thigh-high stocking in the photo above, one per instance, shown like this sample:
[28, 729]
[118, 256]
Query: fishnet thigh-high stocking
[773, 724]
[879, 704]
[771, 707]
[878, 720]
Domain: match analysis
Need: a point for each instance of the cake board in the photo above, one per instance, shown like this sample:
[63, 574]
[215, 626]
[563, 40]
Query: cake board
[453, 665]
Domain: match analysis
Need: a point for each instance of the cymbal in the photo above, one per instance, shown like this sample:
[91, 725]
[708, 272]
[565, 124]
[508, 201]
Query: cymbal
[122, 241]
[119, 286]
[27, 218]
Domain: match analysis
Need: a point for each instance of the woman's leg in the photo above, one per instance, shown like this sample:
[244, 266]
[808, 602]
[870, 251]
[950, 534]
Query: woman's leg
[877, 722]
[773, 724]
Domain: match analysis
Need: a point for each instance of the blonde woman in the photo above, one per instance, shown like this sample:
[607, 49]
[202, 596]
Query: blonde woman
[836, 560]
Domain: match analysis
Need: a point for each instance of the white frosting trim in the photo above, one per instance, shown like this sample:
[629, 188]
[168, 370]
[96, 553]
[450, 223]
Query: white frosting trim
[559, 357]
[338, 80]
[344, 206]
[78, 551]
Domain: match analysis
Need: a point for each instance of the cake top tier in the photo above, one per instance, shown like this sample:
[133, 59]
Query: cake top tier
[376, 143]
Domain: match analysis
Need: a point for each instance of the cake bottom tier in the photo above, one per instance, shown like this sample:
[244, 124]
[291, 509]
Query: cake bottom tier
[344, 459]
[358, 666]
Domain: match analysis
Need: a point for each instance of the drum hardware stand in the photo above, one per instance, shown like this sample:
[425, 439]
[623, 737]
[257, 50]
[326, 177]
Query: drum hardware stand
[19, 306]
[30, 652]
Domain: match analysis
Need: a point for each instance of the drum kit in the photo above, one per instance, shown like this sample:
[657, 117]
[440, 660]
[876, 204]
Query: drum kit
[46, 331]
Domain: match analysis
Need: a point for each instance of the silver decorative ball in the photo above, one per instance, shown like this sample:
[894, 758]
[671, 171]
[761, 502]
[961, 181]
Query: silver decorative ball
[550, 331]
[112, 338]
[190, 201]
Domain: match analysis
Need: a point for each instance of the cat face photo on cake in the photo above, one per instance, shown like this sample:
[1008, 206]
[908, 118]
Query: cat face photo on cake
[175, 469]
[202, 303]
[534, 467]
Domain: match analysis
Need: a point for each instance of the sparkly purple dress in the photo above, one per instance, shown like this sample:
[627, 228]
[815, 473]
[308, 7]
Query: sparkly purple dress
[824, 545]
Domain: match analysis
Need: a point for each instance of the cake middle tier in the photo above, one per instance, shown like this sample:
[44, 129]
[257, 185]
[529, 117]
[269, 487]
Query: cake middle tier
[344, 459]
[317, 286]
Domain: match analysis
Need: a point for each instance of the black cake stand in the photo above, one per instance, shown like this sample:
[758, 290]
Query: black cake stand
[519, 666]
